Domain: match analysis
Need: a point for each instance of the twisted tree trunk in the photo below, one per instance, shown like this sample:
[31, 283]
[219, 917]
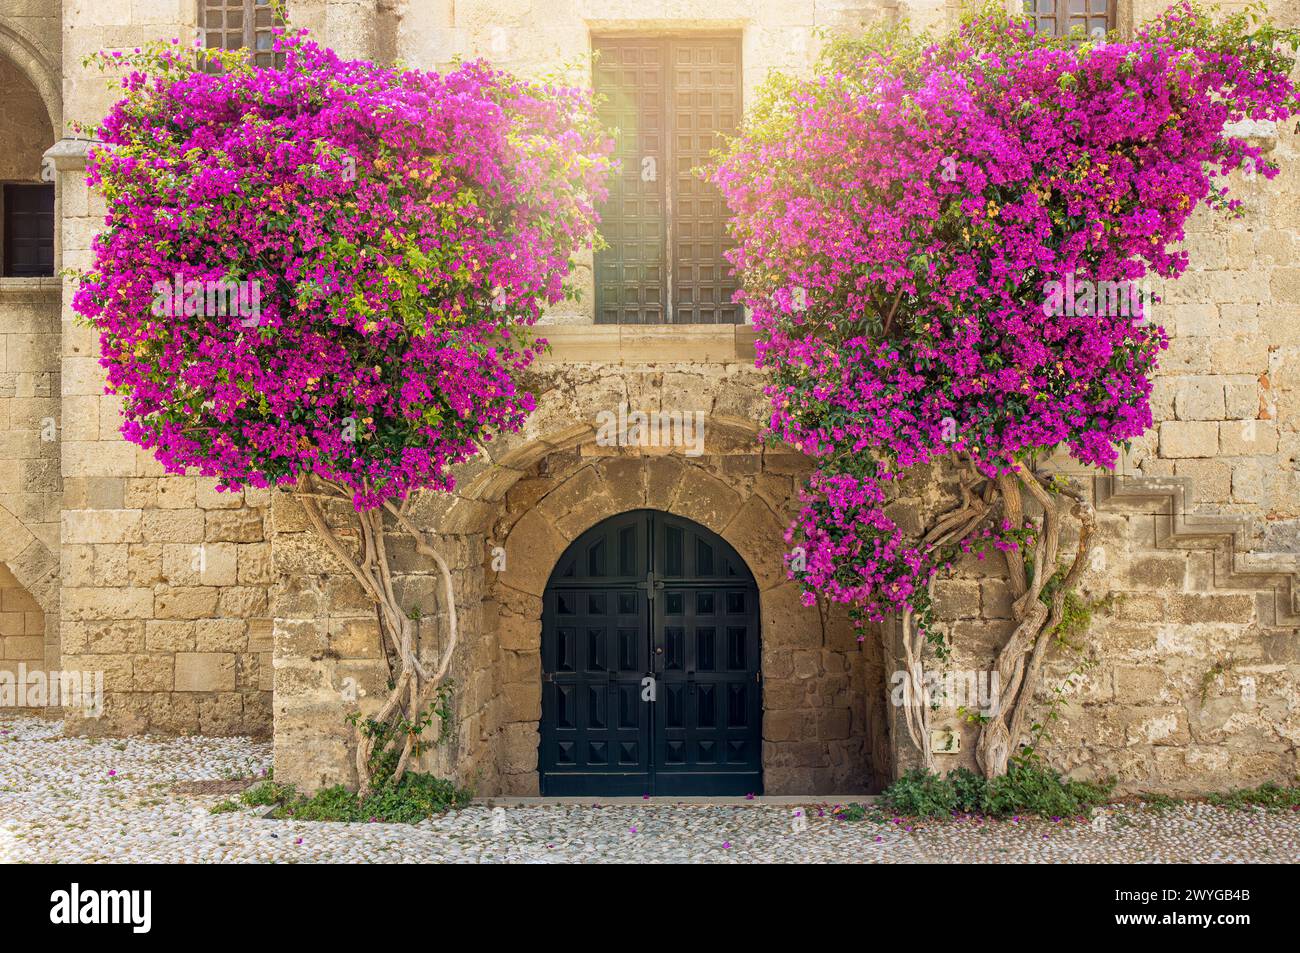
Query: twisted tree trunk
[1038, 594]
[1019, 662]
[396, 726]
[948, 531]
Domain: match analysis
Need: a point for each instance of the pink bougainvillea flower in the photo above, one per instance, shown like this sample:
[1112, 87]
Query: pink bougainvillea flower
[942, 245]
[330, 267]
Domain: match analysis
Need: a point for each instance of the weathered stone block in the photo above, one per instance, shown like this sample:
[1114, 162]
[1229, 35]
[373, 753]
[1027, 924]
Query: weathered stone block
[1180, 438]
[234, 526]
[205, 672]
[185, 602]
[163, 636]
[1199, 398]
[957, 598]
[102, 526]
[220, 635]
[1247, 437]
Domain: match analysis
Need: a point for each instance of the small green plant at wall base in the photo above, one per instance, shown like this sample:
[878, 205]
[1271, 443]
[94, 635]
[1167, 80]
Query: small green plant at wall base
[415, 797]
[265, 793]
[384, 759]
[1272, 797]
[1160, 802]
[855, 812]
[921, 794]
[1024, 789]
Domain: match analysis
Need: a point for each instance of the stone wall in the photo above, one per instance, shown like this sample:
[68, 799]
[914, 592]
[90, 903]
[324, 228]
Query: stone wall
[167, 586]
[30, 483]
[29, 405]
[330, 662]
[1187, 679]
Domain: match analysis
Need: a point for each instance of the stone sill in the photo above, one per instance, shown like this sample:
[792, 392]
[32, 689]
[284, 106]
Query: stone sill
[648, 343]
[30, 287]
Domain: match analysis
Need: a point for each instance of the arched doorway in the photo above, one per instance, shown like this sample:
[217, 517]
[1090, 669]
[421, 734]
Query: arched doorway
[650, 664]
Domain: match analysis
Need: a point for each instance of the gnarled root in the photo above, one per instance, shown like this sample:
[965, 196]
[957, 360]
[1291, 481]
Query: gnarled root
[1018, 667]
[394, 727]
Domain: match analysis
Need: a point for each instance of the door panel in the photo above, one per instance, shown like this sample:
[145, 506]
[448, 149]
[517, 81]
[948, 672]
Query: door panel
[631, 273]
[650, 594]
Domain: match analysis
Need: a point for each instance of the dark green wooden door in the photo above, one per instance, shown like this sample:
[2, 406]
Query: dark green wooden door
[650, 661]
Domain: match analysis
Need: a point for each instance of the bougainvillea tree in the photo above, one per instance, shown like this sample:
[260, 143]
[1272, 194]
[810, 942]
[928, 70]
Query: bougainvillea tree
[320, 277]
[923, 230]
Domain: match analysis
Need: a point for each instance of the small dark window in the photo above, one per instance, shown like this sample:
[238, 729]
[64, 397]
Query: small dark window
[28, 231]
[240, 25]
[1086, 18]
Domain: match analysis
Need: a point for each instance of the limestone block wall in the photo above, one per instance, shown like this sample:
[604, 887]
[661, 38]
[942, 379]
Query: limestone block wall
[30, 482]
[30, 117]
[1226, 398]
[330, 662]
[29, 405]
[1182, 684]
[166, 593]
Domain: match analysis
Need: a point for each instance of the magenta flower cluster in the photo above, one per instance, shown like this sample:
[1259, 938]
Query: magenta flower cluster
[905, 222]
[331, 267]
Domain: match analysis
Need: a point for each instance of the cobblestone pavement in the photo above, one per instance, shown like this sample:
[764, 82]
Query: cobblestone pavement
[80, 800]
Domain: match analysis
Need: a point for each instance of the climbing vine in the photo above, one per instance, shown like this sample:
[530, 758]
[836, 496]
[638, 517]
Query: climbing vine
[320, 278]
[942, 243]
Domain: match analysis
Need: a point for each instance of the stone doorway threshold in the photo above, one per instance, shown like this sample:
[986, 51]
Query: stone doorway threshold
[762, 800]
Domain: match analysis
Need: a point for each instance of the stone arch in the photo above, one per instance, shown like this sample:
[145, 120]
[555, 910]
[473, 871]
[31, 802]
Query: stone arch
[33, 564]
[823, 690]
[36, 569]
[565, 418]
[33, 64]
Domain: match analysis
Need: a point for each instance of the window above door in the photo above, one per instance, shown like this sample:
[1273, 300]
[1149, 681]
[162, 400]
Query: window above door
[671, 100]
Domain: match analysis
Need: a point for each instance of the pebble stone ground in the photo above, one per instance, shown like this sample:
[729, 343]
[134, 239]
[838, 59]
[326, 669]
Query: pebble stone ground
[65, 800]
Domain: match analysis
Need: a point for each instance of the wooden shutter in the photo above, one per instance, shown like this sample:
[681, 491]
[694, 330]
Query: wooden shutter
[28, 231]
[631, 274]
[669, 99]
